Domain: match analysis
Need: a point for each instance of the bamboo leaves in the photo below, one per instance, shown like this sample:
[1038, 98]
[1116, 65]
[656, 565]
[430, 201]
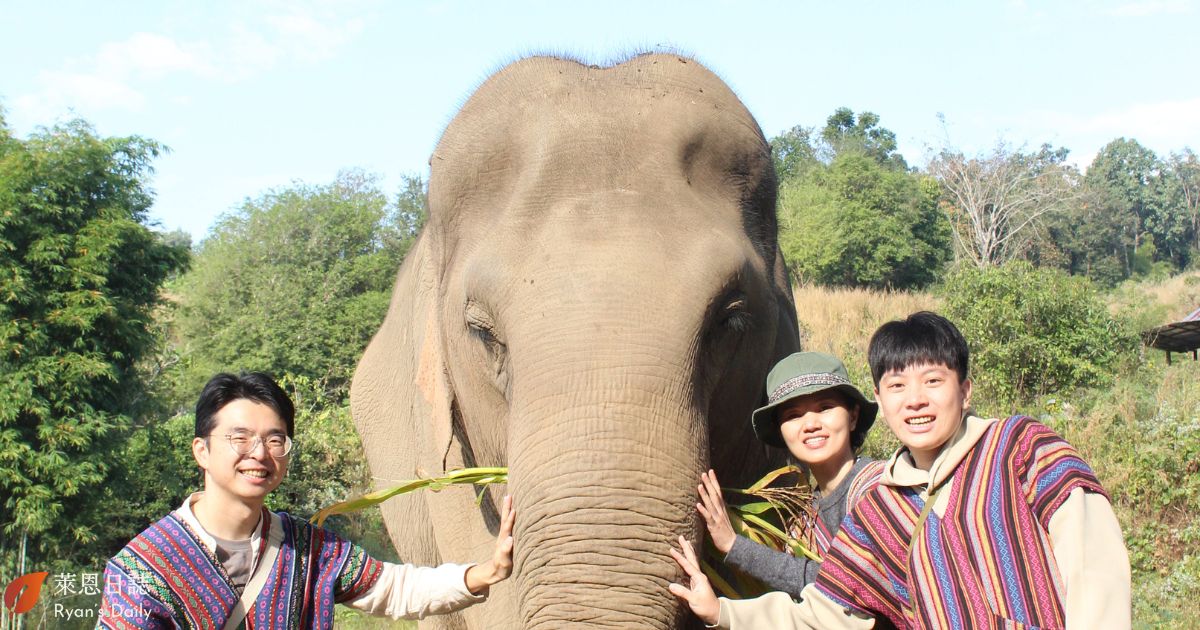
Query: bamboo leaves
[471, 476]
[765, 521]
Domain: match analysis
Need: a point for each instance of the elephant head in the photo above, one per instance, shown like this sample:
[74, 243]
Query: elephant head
[594, 302]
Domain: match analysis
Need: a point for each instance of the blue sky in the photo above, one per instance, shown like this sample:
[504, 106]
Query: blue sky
[253, 95]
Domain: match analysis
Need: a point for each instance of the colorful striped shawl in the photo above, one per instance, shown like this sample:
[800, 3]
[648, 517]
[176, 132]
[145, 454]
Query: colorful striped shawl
[166, 578]
[987, 562]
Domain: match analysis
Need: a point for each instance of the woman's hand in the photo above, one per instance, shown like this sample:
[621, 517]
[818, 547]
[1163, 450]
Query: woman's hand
[499, 567]
[712, 508]
[698, 593]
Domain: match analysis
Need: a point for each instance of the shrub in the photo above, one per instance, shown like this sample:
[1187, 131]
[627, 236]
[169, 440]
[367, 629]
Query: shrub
[1035, 331]
[1142, 437]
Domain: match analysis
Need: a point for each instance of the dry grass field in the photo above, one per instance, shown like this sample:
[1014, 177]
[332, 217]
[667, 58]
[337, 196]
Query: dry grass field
[1180, 294]
[840, 321]
[1154, 303]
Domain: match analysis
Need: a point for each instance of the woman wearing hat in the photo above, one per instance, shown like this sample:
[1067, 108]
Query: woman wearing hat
[822, 419]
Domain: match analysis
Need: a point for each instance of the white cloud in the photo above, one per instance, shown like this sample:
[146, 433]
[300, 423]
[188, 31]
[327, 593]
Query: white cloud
[1163, 126]
[1155, 122]
[310, 38]
[113, 78]
[287, 31]
[1150, 7]
[120, 74]
[63, 91]
[248, 53]
[152, 56]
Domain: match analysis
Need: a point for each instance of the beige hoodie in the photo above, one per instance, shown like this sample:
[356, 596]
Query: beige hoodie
[1084, 533]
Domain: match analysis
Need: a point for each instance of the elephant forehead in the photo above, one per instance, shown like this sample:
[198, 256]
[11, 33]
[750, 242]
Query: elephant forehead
[568, 91]
[545, 130]
[669, 221]
[606, 246]
[544, 107]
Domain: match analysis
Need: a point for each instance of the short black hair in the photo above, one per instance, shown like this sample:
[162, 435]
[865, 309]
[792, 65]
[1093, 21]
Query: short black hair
[924, 337]
[225, 388]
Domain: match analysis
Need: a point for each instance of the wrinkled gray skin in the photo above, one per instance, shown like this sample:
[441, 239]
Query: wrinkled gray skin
[595, 303]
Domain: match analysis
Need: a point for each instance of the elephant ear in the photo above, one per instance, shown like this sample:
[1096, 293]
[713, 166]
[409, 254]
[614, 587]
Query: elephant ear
[787, 329]
[400, 388]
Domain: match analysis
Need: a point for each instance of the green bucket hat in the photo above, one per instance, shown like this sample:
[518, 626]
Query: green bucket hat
[805, 373]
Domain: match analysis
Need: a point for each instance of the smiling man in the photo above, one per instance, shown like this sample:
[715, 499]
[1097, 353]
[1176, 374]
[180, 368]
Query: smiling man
[975, 523]
[223, 560]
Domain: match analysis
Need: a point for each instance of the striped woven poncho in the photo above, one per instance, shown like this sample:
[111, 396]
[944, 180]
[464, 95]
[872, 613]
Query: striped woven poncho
[986, 562]
[167, 578]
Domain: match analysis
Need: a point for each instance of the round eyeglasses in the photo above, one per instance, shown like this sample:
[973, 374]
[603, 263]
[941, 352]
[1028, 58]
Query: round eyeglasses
[244, 443]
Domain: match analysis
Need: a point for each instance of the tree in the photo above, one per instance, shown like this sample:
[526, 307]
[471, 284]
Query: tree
[858, 223]
[295, 281]
[795, 153]
[1183, 193]
[80, 273]
[995, 200]
[1133, 188]
[1083, 239]
[800, 150]
[844, 132]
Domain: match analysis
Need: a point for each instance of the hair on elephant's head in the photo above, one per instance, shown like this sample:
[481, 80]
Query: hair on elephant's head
[594, 302]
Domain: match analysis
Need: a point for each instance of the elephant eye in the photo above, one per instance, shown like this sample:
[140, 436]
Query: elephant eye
[483, 327]
[480, 322]
[735, 316]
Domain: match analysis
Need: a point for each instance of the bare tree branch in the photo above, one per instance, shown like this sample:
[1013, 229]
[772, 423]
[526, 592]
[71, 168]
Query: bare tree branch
[995, 199]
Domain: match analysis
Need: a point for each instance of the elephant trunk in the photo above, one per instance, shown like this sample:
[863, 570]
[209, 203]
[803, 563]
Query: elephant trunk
[602, 486]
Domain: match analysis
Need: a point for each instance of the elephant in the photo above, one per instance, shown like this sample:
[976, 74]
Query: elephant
[594, 302]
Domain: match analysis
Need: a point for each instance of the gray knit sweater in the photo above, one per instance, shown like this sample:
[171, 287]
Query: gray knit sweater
[784, 572]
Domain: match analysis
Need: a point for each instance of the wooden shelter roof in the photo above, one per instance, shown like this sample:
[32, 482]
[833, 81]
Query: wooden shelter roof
[1182, 336]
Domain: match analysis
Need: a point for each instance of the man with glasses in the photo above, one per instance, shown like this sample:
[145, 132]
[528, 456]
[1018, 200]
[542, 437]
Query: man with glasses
[222, 558]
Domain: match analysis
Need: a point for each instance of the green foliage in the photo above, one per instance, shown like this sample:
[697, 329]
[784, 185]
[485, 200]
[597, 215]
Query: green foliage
[799, 151]
[850, 213]
[1142, 437]
[795, 153]
[1084, 239]
[1181, 199]
[346, 618]
[846, 133]
[295, 281]
[153, 470]
[856, 223]
[1034, 331]
[327, 466]
[1139, 211]
[79, 275]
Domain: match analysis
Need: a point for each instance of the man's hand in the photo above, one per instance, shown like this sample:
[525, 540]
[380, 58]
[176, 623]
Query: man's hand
[698, 593]
[712, 508]
[481, 576]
